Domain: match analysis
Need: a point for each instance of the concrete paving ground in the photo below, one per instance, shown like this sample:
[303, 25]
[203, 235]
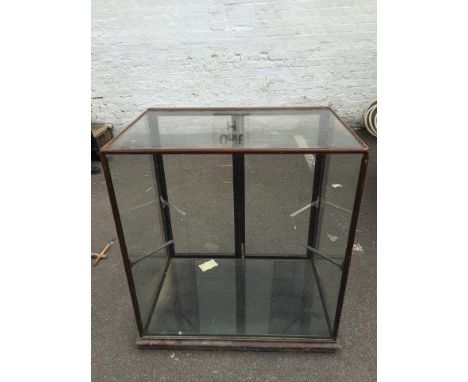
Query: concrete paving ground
[114, 357]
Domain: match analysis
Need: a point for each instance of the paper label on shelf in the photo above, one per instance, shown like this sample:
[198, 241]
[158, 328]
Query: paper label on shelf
[207, 265]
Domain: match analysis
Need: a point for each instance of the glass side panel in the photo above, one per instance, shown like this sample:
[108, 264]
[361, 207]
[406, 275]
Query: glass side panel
[250, 129]
[250, 297]
[278, 193]
[338, 194]
[339, 190]
[201, 202]
[136, 193]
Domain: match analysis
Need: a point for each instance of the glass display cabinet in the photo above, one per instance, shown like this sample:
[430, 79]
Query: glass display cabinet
[236, 226]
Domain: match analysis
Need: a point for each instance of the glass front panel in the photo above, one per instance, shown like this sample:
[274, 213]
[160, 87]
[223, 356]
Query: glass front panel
[133, 178]
[278, 194]
[200, 196]
[249, 129]
[297, 218]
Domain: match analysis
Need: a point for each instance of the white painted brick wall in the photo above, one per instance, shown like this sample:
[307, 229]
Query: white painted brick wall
[232, 53]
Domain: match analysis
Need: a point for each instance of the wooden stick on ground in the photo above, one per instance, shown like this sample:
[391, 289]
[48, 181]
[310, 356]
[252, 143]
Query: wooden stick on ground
[102, 254]
[95, 254]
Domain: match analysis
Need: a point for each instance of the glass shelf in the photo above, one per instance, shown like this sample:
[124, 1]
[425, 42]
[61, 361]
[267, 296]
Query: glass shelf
[275, 298]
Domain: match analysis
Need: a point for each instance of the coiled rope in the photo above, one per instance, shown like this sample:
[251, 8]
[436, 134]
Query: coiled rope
[370, 118]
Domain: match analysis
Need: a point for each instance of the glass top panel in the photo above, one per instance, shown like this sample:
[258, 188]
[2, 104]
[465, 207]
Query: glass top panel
[239, 129]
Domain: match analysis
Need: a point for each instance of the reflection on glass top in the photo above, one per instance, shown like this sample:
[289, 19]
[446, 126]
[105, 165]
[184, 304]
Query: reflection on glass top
[237, 130]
